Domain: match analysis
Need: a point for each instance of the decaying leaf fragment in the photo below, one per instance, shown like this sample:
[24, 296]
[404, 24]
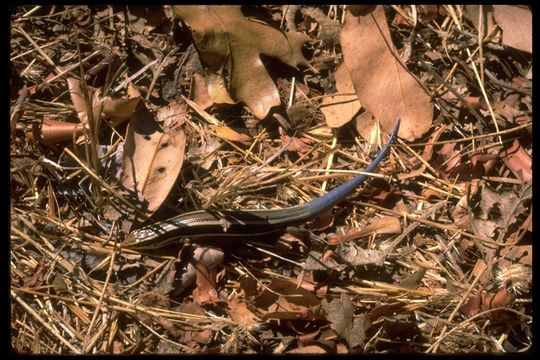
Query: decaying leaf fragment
[283, 299]
[492, 213]
[340, 314]
[230, 46]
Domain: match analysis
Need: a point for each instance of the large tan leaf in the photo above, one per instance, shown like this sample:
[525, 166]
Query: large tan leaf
[230, 43]
[382, 82]
[514, 20]
[516, 23]
[339, 109]
[153, 155]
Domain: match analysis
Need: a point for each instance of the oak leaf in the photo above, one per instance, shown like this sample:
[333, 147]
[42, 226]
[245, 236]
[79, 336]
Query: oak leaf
[231, 44]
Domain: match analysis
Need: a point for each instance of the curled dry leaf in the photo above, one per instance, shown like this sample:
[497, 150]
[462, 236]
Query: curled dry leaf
[428, 149]
[116, 110]
[230, 43]
[382, 82]
[152, 157]
[450, 164]
[119, 110]
[227, 133]
[472, 306]
[51, 132]
[427, 154]
[483, 301]
[80, 97]
[384, 225]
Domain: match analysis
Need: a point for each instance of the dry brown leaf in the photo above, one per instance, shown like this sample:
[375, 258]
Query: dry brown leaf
[205, 292]
[285, 300]
[145, 18]
[309, 349]
[240, 314]
[414, 280]
[472, 306]
[205, 261]
[521, 254]
[527, 223]
[514, 20]
[328, 28]
[230, 43]
[492, 215]
[479, 165]
[300, 145]
[340, 313]
[227, 133]
[471, 12]
[383, 84]
[428, 149]
[339, 109]
[516, 24]
[199, 92]
[37, 277]
[493, 211]
[186, 334]
[355, 255]
[97, 74]
[153, 157]
[119, 110]
[518, 161]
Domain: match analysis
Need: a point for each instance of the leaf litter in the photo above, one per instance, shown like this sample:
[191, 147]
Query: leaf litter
[123, 116]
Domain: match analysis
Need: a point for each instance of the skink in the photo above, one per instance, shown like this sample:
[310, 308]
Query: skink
[208, 224]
